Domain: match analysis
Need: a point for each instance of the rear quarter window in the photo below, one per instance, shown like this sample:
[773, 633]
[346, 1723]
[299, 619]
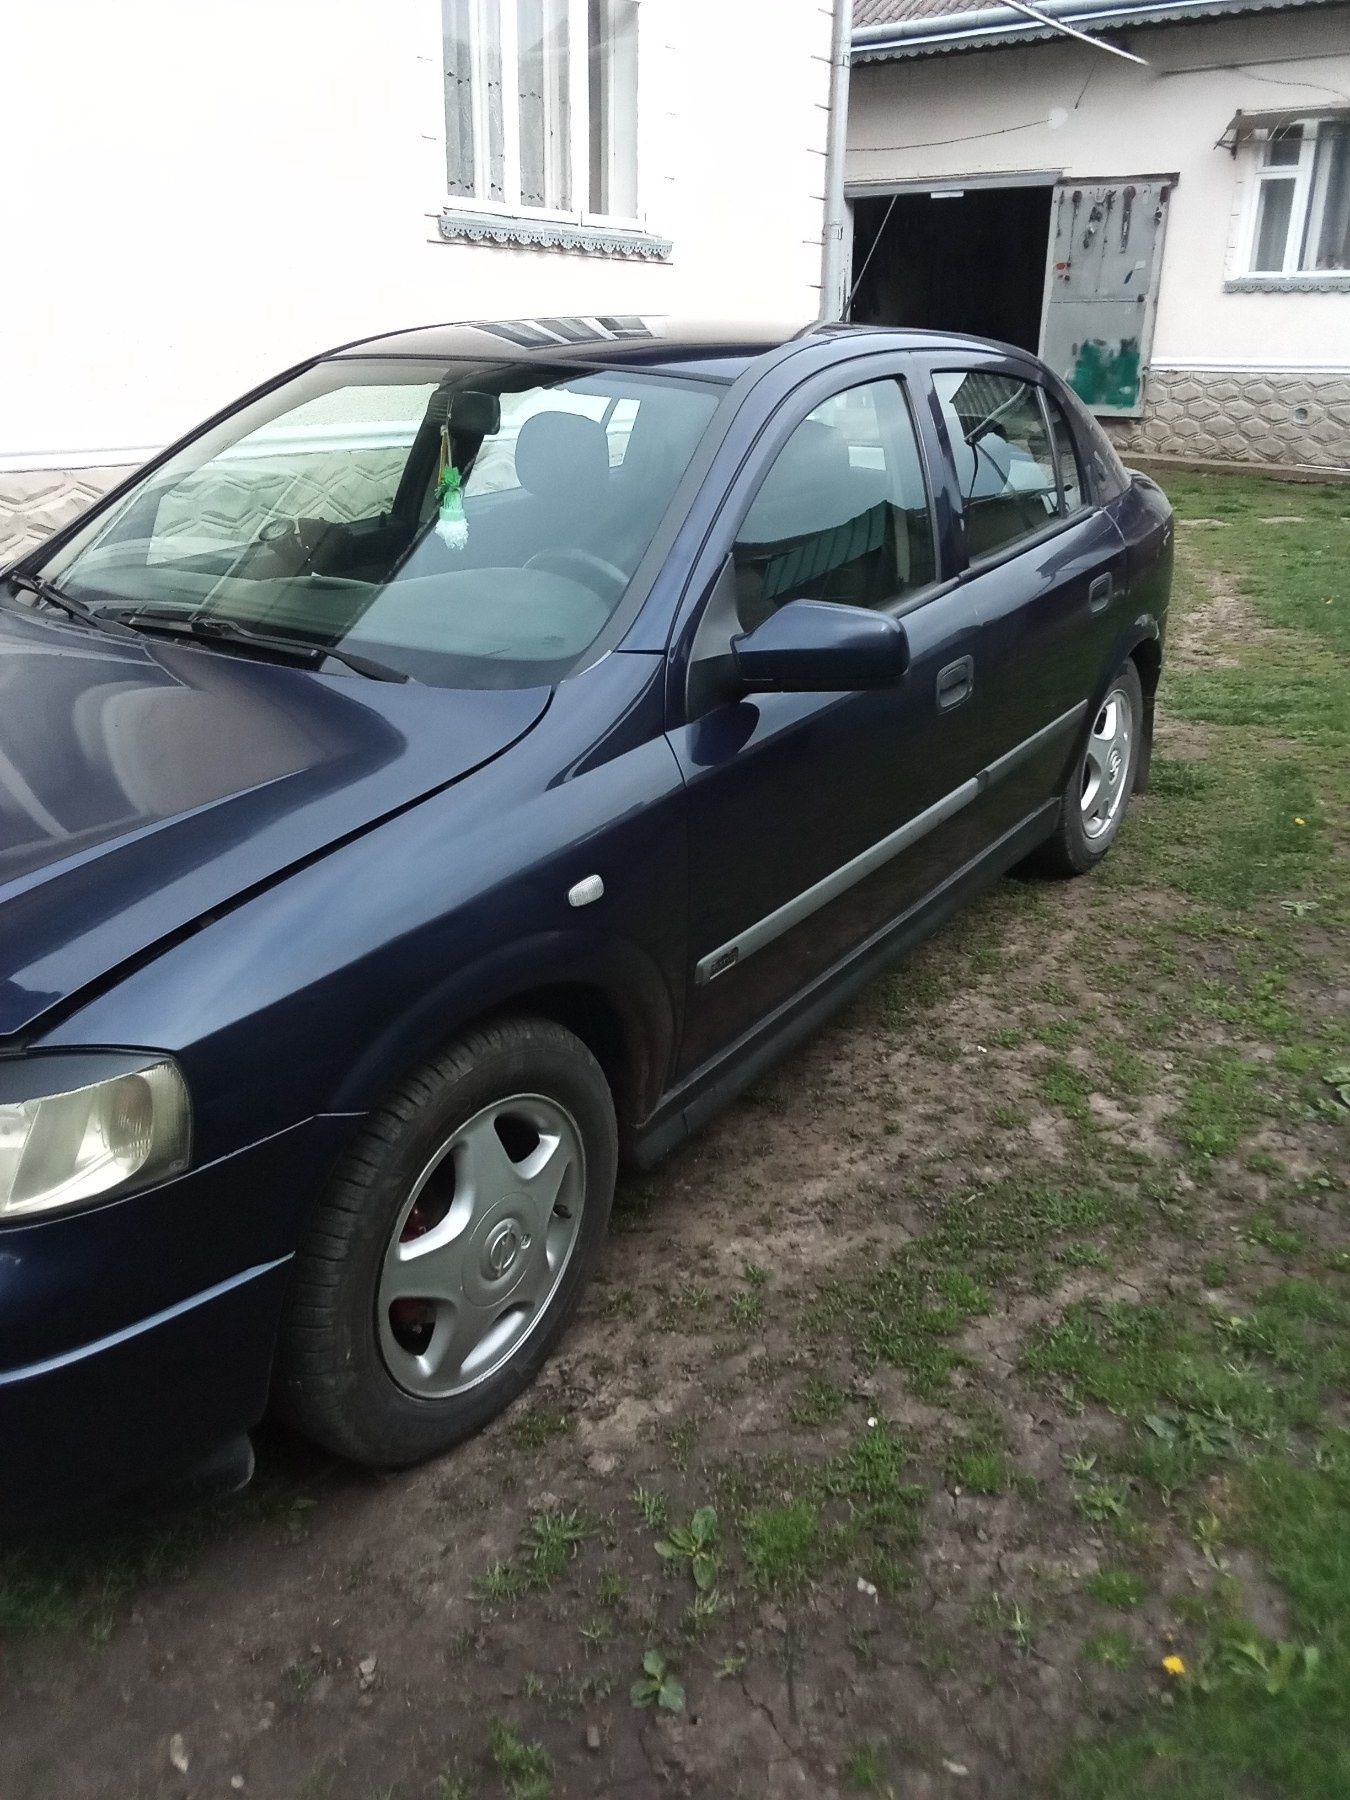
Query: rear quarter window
[1107, 475]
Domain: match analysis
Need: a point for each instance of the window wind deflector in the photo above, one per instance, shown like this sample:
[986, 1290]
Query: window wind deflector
[228, 632]
[51, 595]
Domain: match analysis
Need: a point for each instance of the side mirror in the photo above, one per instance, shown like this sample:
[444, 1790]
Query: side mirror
[817, 647]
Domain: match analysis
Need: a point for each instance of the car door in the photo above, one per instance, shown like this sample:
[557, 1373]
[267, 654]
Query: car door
[815, 819]
[1045, 569]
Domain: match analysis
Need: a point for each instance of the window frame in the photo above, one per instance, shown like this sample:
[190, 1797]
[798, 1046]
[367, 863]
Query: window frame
[511, 206]
[1053, 434]
[1306, 210]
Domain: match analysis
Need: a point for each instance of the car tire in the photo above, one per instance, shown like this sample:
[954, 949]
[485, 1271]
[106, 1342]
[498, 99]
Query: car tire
[451, 1247]
[1103, 778]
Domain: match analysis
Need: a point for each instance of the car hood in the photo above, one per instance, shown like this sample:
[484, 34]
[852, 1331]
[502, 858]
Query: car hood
[145, 785]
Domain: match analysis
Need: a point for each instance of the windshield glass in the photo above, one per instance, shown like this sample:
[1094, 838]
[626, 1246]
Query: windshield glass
[465, 525]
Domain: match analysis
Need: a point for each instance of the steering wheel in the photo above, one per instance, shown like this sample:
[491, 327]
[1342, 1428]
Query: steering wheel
[605, 578]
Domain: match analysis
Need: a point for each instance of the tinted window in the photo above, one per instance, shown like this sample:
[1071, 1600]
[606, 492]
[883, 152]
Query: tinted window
[468, 525]
[1106, 473]
[1065, 456]
[1005, 463]
[842, 513]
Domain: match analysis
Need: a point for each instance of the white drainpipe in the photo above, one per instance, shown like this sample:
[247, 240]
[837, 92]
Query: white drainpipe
[834, 240]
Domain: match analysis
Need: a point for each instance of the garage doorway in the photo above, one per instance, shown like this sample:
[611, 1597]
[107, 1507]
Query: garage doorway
[954, 260]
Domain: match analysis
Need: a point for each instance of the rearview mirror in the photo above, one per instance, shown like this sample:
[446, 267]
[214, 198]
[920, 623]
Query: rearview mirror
[818, 647]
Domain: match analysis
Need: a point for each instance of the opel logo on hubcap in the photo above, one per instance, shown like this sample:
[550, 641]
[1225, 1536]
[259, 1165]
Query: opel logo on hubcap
[501, 1250]
[1114, 765]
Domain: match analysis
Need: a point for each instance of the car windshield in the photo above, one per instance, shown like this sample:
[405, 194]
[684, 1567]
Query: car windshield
[463, 525]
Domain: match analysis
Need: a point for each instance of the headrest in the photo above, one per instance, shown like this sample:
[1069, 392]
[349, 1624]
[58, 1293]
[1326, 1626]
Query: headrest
[468, 410]
[562, 453]
[812, 486]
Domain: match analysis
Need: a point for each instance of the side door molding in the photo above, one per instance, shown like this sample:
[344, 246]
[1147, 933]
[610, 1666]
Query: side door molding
[735, 951]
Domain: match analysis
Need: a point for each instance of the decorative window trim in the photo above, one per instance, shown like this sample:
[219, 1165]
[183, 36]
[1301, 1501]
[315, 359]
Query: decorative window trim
[458, 226]
[1329, 281]
[513, 219]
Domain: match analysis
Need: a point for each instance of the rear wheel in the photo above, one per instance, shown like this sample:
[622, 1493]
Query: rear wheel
[452, 1247]
[1103, 778]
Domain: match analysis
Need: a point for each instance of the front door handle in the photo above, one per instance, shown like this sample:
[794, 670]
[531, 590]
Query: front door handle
[955, 683]
[1099, 593]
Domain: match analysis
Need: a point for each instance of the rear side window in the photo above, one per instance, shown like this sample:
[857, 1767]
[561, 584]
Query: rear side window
[1005, 461]
[1107, 473]
[842, 513]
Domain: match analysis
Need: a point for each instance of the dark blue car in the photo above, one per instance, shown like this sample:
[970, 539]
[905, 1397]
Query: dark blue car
[456, 770]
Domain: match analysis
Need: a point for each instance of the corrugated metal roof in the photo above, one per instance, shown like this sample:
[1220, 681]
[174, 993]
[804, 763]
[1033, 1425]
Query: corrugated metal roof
[887, 30]
[890, 12]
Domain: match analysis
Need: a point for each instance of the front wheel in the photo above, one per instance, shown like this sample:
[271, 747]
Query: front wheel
[452, 1246]
[1102, 780]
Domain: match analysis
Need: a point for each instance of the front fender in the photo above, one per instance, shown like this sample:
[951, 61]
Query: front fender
[622, 975]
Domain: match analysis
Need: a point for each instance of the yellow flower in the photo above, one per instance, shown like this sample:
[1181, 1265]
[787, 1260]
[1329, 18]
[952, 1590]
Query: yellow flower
[1175, 1665]
[1299, 821]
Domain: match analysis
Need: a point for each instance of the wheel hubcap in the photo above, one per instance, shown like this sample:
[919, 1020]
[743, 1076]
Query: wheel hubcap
[481, 1245]
[1106, 766]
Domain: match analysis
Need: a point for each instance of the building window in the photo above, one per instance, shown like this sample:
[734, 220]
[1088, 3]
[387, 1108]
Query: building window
[541, 106]
[1299, 219]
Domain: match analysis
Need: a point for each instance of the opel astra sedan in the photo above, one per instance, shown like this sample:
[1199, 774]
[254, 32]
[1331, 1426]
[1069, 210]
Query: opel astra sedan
[457, 769]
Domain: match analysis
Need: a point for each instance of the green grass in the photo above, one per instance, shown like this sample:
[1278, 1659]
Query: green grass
[906, 1313]
[785, 1546]
[526, 1768]
[550, 1543]
[1237, 1727]
[1236, 1404]
[1120, 1588]
[864, 1771]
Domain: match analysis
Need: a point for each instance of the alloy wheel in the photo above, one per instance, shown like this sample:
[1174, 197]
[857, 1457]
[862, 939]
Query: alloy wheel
[480, 1246]
[1107, 764]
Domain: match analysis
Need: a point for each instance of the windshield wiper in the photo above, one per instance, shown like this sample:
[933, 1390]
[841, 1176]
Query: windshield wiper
[51, 595]
[229, 631]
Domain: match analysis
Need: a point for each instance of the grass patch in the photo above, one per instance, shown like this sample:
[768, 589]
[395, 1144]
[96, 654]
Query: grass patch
[1255, 1716]
[785, 1546]
[864, 1771]
[526, 1768]
[1120, 1588]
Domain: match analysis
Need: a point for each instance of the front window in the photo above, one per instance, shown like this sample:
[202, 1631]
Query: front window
[454, 523]
[842, 513]
[541, 105]
[1300, 218]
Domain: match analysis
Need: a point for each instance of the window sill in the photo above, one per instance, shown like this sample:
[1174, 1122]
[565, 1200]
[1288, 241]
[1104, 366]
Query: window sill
[1329, 281]
[520, 231]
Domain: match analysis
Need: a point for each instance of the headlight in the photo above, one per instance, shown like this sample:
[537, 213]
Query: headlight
[81, 1127]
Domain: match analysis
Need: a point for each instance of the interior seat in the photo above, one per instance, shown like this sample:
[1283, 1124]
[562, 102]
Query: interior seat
[562, 462]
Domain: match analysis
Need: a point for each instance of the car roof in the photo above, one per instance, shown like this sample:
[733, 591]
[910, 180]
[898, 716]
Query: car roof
[709, 348]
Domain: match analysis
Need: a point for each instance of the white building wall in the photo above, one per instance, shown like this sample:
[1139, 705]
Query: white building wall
[197, 195]
[1076, 112]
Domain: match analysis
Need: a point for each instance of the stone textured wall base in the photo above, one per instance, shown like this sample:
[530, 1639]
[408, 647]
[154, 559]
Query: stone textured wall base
[1234, 416]
[37, 502]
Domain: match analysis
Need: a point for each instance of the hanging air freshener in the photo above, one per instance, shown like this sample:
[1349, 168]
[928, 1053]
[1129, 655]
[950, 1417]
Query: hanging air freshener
[452, 528]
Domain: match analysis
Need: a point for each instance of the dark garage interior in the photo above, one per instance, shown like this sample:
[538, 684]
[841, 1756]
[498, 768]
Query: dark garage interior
[970, 261]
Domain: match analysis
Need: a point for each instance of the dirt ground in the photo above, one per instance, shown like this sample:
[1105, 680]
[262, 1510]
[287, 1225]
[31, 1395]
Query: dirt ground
[939, 1557]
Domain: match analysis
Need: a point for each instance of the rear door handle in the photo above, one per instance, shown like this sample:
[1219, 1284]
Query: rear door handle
[955, 683]
[1099, 593]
